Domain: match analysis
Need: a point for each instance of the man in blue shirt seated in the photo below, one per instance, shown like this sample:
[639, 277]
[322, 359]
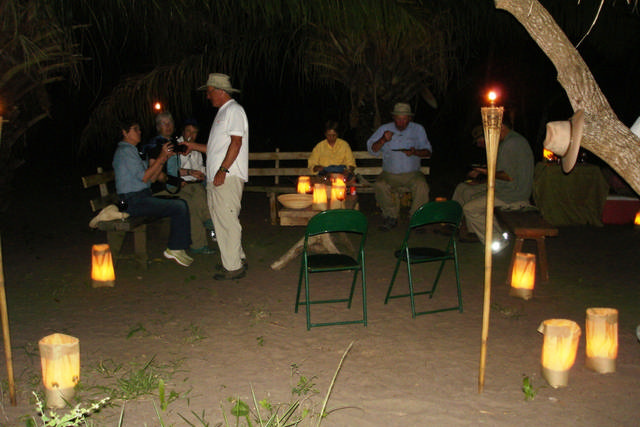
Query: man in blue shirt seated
[402, 144]
[133, 185]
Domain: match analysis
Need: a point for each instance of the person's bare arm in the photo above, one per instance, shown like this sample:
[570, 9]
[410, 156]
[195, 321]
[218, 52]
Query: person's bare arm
[229, 158]
[501, 175]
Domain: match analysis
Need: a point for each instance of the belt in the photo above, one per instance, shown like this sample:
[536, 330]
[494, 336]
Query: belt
[135, 194]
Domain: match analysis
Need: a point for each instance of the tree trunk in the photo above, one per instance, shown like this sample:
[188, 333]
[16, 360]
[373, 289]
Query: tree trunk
[604, 134]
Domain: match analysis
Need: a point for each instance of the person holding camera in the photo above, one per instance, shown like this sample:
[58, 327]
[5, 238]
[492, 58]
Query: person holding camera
[133, 185]
[175, 184]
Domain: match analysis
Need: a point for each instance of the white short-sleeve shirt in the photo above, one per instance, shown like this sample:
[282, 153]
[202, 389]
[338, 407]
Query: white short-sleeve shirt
[231, 120]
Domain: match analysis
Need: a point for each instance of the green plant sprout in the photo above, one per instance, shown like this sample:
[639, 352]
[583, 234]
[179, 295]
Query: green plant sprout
[527, 388]
[74, 417]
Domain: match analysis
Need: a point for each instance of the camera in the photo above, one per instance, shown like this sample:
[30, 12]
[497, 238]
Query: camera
[177, 147]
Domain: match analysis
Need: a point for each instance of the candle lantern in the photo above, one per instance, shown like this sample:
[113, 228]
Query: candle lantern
[102, 273]
[338, 194]
[60, 359]
[304, 185]
[319, 197]
[523, 276]
[549, 156]
[558, 350]
[601, 332]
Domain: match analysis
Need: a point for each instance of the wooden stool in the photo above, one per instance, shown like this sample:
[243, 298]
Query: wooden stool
[528, 225]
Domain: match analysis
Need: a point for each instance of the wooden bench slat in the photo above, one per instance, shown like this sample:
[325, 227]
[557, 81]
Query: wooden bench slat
[368, 166]
[97, 179]
[117, 229]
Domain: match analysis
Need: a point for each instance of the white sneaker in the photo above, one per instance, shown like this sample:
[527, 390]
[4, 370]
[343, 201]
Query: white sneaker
[179, 256]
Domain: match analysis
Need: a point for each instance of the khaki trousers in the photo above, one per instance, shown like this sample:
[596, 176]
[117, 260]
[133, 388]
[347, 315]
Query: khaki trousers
[387, 183]
[224, 206]
[473, 199]
[196, 197]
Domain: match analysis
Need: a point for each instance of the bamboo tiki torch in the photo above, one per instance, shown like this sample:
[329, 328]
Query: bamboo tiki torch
[492, 124]
[5, 320]
[5, 333]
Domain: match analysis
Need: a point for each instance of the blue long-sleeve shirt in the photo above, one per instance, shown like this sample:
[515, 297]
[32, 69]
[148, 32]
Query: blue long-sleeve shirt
[397, 161]
[129, 169]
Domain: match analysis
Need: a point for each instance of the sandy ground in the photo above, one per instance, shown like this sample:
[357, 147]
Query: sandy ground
[211, 341]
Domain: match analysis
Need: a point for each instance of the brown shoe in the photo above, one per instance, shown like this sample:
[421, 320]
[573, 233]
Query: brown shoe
[245, 265]
[231, 275]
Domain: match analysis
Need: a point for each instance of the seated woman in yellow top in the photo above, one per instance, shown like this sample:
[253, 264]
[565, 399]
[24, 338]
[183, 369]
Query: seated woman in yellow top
[332, 155]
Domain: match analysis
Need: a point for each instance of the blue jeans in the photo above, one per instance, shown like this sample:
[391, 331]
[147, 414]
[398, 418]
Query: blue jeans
[142, 203]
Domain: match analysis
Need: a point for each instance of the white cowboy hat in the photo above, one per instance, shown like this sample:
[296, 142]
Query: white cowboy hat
[401, 109]
[219, 81]
[109, 213]
[563, 139]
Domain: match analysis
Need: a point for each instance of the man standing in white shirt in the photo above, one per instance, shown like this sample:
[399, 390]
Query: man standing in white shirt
[227, 171]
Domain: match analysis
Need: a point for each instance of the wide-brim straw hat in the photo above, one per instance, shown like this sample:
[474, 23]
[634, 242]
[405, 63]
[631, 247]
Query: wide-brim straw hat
[563, 139]
[401, 109]
[219, 81]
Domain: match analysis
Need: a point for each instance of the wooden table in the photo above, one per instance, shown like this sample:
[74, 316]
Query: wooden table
[293, 217]
[576, 198]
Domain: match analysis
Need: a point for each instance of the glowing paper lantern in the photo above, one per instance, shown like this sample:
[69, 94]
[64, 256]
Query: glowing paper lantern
[304, 185]
[319, 197]
[60, 360]
[523, 276]
[102, 273]
[558, 350]
[338, 194]
[601, 332]
[548, 155]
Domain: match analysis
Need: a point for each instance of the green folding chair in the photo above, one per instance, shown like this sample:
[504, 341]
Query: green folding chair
[334, 221]
[447, 213]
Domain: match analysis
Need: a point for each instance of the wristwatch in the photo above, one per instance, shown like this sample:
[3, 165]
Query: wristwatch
[223, 169]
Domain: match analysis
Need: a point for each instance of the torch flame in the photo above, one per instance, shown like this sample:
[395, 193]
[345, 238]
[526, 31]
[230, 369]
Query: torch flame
[492, 96]
[157, 106]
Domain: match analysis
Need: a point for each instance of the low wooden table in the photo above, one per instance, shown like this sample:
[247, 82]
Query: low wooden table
[294, 217]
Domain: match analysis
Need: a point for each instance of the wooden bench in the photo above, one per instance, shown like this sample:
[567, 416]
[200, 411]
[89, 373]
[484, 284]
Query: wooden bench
[277, 172]
[527, 224]
[117, 229]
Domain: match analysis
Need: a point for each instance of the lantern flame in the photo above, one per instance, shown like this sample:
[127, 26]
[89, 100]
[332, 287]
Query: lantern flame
[102, 272]
[319, 197]
[601, 330]
[157, 107]
[304, 185]
[492, 97]
[60, 360]
[560, 344]
[524, 271]
[338, 190]
[548, 154]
